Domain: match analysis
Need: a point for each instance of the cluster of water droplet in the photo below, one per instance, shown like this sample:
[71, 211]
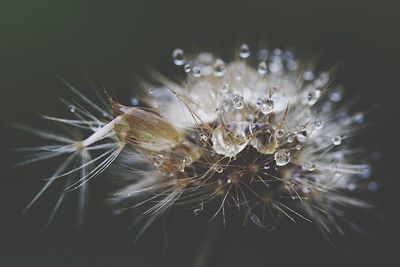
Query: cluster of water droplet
[261, 116]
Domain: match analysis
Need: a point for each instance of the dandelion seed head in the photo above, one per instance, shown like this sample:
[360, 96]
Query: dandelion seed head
[263, 138]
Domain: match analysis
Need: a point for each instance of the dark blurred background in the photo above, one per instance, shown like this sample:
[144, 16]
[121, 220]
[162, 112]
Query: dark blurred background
[112, 42]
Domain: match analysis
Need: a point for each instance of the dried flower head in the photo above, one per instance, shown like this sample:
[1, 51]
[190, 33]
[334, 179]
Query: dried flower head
[267, 139]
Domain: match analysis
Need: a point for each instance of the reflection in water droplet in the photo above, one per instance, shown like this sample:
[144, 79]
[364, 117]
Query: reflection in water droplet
[282, 157]
[178, 56]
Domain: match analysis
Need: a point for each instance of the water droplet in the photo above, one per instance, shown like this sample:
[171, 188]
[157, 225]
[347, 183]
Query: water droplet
[267, 106]
[337, 173]
[196, 71]
[373, 186]
[219, 68]
[358, 117]
[282, 157]
[267, 166]
[308, 166]
[290, 138]
[308, 75]
[72, 108]
[262, 68]
[187, 68]
[178, 56]
[313, 96]
[318, 125]
[351, 187]
[301, 136]
[337, 140]
[218, 168]
[244, 51]
[298, 147]
[335, 95]
[203, 137]
[187, 160]
[134, 101]
[280, 133]
[229, 141]
[151, 91]
[238, 102]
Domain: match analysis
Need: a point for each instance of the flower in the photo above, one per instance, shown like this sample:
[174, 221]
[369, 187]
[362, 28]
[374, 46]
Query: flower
[269, 140]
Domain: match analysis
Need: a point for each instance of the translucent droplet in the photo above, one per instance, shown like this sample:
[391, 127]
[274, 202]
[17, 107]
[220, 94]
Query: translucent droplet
[203, 137]
[352, 187]
[337, 140]
[238, 102]
[151, 91]
[262, 68]
[218, 168]
[322, 80]
[313, 96]
[308, 75]
[337, 173]
[72, 108]
[373, 186]
[187, 160]
[229, 140]
[196, 71]
[244, 51]
[134, 101]
[219, 68]
[282, 157]
[318, 125]
[290, 138]
[298, 147]
[225, 87]
[335, 95]
[280, 133]
[302, 136]
[178, 56]
[187, 68]
[308, 166]
[267, 166]
[267, 106]
[358, 117]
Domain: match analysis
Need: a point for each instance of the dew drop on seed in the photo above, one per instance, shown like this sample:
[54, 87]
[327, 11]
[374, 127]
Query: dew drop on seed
[134, 101]
[72, 108]
[308, 75]
[301, 137]
[196, 71]
[313, 96]
[298, 147]
[219, 68]
[187, 68]
[335, 95]
[282, 157]
[187, 160]
[218, 169]
[280, 133]
[267, 166]
[244, 51]
[203, 137]
[358, 117]
[373, 186]
[267, 106]
[262, 68]
[337, 140]
[178, 56]
[238, 102]
[318, 125]
[308, 166]
[290, 138]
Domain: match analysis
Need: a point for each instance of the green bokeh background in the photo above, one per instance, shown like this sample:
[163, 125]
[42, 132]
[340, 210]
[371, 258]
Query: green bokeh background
[113, 42]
